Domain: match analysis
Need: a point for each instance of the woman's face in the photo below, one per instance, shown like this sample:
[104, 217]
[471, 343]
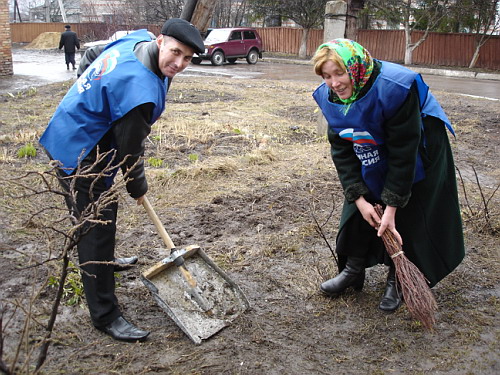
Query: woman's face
[337, 79]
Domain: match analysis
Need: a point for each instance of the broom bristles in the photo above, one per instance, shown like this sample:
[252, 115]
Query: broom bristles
[417, 294]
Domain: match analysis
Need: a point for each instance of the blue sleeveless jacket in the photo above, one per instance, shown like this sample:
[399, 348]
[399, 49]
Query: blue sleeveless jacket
[363, 123]
[115, 83]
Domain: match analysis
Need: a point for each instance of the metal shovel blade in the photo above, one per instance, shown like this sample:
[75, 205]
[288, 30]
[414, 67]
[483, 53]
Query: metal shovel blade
[223, 301]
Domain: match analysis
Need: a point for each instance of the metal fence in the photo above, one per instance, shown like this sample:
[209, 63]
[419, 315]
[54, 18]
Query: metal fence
[442, 49]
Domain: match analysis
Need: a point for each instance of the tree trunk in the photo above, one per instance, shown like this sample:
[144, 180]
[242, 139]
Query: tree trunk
[351, 29]
[303, 44]
[479, 43]
[203, 13]
[475, 57]
[408, 47]
[408, 56]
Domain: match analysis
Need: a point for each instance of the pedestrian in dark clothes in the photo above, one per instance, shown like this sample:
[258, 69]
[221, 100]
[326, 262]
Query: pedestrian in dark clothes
[69, 40]
[390, 146]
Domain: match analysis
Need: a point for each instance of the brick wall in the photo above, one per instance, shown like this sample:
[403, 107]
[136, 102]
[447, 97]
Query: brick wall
[5, 41]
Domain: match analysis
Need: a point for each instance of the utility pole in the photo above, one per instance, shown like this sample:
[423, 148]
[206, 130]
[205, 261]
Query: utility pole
[47, 10]
[188, 9]
[16, 10]
[63, 12]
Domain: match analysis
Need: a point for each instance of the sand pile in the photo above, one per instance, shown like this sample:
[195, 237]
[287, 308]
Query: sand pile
[46, 40]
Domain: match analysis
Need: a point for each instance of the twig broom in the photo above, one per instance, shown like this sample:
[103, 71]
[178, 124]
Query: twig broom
[416, 292]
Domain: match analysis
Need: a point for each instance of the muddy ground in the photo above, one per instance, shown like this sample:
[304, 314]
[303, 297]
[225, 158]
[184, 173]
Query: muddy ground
[238, 168]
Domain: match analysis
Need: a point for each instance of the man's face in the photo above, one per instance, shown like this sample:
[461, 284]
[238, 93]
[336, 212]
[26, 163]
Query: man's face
[174, 56]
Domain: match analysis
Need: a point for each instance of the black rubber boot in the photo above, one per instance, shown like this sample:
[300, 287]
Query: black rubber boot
[391, 299]
[353, 275]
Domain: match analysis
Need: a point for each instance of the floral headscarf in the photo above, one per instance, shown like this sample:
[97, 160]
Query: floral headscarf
[357, 60]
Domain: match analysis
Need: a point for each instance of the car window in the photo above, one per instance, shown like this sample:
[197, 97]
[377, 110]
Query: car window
[217, 36]
[236, 35]
[249, 35]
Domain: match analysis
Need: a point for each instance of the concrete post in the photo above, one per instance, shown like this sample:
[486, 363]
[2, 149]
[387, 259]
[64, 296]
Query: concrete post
[335, 19]
[335, 26]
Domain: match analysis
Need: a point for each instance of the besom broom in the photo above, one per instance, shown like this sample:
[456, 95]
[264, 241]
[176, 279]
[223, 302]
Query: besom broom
[416, 292]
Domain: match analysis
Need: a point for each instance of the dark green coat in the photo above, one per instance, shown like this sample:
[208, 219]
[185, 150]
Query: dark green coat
[428, 214]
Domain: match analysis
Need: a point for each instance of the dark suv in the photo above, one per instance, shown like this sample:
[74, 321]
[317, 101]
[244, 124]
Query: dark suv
[230, 44]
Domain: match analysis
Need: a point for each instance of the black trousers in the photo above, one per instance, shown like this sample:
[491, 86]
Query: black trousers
[70, 58]
[97, 245]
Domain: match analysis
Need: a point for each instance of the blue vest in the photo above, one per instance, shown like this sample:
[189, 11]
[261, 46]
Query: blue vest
[363, 124]
[115, 83]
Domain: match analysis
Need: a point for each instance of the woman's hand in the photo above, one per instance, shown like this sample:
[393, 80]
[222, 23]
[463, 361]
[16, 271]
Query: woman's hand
[368, 212]
[388, 222]
[139, 200]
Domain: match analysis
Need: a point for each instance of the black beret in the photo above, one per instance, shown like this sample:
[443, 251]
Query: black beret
[184, 32]
[67, 27]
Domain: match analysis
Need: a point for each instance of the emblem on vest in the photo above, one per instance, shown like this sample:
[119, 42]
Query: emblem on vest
[103, 65]
[364, 145]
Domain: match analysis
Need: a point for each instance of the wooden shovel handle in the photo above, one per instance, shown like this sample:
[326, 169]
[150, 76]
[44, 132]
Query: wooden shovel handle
[187, 276]
[159, 226]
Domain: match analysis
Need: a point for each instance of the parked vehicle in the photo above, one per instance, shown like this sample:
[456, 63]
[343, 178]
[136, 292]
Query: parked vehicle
[112, 38]
[230, 44]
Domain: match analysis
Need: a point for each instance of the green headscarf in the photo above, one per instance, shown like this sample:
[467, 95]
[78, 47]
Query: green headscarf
[358, 62]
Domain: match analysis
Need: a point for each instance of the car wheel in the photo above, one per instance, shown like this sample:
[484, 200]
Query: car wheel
[196, 60]
[231, 60]
[217, 58]
[252, 57]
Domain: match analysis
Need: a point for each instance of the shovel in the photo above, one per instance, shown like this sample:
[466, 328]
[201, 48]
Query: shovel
[176, 256]
[209, 303]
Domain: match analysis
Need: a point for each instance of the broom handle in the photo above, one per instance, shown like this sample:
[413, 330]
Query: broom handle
[391, 243]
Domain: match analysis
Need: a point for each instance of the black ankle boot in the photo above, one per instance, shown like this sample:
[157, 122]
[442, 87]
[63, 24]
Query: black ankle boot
[391, 299]
[353, 275]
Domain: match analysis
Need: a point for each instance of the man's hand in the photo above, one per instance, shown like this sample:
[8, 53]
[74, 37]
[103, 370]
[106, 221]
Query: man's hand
[139, 200]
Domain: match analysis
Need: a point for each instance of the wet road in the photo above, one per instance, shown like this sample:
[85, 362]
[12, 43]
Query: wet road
[39, 67]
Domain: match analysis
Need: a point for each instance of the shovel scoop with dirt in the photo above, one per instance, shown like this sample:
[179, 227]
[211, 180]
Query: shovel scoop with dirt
[195, 293]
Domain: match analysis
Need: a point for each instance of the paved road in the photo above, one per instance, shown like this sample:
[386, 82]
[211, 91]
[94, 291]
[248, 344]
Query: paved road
[271, 69]
[40, 67]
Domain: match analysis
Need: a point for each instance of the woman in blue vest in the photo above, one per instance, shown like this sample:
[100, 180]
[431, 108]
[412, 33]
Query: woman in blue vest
[389, 146]
[119, 94]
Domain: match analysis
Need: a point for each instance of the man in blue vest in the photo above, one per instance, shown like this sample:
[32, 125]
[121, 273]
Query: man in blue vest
[119, 94]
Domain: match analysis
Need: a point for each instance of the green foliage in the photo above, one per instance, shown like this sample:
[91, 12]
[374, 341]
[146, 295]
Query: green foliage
[237, 131]
[193, 158]
[30, 92]
[155, 162]
[73, 286]
[28, 150]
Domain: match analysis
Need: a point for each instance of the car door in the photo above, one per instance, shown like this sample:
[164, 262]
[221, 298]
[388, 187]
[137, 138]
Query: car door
[250, 40]
[234, 45]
